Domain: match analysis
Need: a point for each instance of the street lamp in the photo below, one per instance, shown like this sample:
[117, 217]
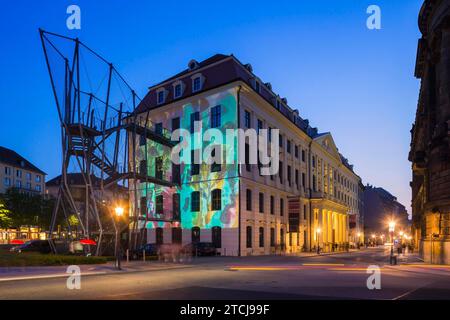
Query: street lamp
[391, 231]
[318, 231]
[119, 213]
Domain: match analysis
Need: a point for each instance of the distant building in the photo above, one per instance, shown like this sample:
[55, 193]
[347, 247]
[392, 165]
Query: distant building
[380, 207]
[17, 172]
[430, 135]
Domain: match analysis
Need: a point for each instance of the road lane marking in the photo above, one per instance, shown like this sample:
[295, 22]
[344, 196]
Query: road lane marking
[323, 264]
[50, 276]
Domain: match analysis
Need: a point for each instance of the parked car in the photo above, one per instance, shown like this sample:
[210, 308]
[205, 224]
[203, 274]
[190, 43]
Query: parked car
[151, 249]
[200, 249]
[41, 246]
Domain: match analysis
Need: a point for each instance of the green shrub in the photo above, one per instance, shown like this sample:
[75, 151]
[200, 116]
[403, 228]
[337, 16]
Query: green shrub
[9, 259]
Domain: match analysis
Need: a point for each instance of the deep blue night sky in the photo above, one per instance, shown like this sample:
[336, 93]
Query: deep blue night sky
[347, 79]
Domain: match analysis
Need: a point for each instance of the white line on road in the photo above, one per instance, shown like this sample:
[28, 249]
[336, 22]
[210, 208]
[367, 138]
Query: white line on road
[47, 276]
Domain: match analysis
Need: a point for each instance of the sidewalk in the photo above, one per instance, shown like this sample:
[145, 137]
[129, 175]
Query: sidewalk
[29, 273]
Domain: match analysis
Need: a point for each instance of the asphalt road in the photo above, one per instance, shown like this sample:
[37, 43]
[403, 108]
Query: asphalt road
[342, 276]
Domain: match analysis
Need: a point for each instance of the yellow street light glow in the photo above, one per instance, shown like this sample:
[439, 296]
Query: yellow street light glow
[374, 236]
[391, 226]
[359, 234]
[319, 230]
[119, 211]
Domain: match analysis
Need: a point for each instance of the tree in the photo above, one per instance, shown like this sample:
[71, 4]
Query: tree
[5, 219]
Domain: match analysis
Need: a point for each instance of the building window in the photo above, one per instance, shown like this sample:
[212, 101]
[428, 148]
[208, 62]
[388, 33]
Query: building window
[194, 118]
[143, 206]
[216, 203]
[272, 237]
[289, 175]
[177, 90]
[158, 128]
[304, 212]
[296, 179]
[19, 173]
[195, 235]
[280, 172]
[314, 183]
[161, 96]
[247, 119]
[249, 200]
[28, 187]
[314, 161]
[261, 237]
[159, 168]
[175, 123]
[303, 156]
[272, 205]
[215, 117]
[197, 83]
[28, 175]
[176, 206]
[195, 167]
[7, 171]
[142, 140]
[260, 126]
[257, 86]
[249, 236]
[247, 157]
[177, 235]
[282, 238]
[281, 207]
[7, 182]
[143, 167]
[159, 236]
[159, 207]
[195, 201]
[296, 151]
[288, 146]
[216, 167]
[18, 184]
[280, 140]
[217, 237]
[303, 179]
[269, 134]
[261, 202]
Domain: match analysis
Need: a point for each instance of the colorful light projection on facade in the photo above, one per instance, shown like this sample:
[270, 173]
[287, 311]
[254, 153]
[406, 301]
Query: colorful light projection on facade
[225, 179]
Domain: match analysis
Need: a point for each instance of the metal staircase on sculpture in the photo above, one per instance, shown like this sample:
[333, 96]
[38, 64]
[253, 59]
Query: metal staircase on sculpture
[99, 129]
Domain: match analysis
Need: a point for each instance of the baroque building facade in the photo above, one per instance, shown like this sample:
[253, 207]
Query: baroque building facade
[307, 203]
[430, 145]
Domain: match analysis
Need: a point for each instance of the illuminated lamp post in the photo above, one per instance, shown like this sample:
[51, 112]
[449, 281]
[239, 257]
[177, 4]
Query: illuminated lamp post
[118, 215]
[391, 232]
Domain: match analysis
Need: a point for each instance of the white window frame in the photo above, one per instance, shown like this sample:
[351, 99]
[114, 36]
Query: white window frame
[158, 91]
[202, 81]
[175, 84]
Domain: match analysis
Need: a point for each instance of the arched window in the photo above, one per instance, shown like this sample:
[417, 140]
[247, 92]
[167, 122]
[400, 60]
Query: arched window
[159, 235]
[249, 236]
[261, 237]
[216, 196]
[195, 234]
[272, 237]
[217, 237]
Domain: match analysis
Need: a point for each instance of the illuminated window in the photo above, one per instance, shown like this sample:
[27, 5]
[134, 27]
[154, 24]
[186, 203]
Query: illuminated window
[216, 196]
[215, 117]
[217, 237]
[159, 207]
[195, 201]
[195, 234]
[249, 236]
[261, 237]
[249, 200]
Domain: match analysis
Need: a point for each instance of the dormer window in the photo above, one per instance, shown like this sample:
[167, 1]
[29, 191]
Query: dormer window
[197, 82]
[178, 89]
[160, 96]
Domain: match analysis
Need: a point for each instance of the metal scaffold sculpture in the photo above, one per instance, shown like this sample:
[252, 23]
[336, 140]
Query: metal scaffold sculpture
[99, 129]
